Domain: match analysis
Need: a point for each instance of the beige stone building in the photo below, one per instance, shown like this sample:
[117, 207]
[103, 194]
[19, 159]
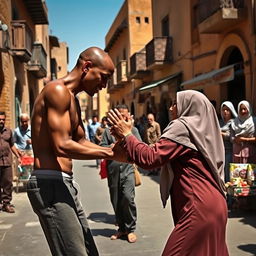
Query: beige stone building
[206, 45]
[25, 56]
[128, 34]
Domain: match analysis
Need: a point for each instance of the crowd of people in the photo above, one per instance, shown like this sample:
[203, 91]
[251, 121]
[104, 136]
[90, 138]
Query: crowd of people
[190, 152]
[238, 132]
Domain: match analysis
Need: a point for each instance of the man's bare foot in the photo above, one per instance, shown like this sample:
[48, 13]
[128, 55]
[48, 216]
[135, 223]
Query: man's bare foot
[117, 235]
[131, 237]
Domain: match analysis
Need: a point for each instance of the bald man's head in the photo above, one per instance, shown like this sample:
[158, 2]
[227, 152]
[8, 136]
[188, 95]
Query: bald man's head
[97, 56]
[150, 118]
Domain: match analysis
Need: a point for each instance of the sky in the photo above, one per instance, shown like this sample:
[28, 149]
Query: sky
[81, 23]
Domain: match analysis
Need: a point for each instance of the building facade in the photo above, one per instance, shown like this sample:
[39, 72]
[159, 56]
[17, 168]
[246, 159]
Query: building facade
[128, 34]
[210, 48]
[25, 50]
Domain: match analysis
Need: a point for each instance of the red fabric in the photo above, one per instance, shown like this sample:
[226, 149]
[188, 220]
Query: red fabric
[103, 169]
[27, 160]
[199, 209]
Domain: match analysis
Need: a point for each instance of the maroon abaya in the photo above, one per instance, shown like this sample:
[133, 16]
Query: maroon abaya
[198, 207]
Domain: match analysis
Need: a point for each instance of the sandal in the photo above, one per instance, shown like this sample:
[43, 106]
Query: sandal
[117, 235]
[132, 238]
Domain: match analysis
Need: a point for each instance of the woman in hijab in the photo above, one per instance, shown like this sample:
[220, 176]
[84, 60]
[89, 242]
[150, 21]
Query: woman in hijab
[228, 113]
[191, 153]
[243, 135]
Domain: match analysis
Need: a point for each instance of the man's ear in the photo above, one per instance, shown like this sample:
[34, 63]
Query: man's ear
[86, 66]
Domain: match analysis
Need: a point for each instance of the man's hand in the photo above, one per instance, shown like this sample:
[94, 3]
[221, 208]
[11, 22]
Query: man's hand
[120, 127]
[120, 153]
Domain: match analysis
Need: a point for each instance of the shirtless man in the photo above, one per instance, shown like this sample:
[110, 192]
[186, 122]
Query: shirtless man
[58, 136]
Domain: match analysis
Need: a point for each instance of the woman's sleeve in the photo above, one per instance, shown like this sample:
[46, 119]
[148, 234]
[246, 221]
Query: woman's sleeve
[156, 155]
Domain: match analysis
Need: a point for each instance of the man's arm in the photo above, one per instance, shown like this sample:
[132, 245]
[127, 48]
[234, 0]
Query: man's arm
[58, 102]
[136, 133]
[158, 131]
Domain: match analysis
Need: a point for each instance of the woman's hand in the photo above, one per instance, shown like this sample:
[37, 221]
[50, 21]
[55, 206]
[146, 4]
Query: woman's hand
[120, 127]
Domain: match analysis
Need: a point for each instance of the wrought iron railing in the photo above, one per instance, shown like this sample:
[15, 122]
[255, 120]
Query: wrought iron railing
[206, 8]
[159, 51]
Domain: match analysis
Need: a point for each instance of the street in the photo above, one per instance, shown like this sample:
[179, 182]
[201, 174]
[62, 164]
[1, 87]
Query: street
[21, 234]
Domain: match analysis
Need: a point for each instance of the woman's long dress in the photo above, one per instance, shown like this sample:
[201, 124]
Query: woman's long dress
[198, 207]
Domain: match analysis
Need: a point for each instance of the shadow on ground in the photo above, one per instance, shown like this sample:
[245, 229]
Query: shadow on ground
[103, 217]
[106, 232]
[246, 217]
[90, 165]
[251, 248]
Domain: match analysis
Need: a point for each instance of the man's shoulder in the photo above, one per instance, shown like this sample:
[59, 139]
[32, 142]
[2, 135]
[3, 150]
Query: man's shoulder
[156, 123]
[56, 85]
[7, 130]
[56, 92]
[134, 129]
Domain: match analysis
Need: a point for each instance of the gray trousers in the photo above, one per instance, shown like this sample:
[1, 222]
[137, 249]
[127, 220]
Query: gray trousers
[54, 199]
[122, 197]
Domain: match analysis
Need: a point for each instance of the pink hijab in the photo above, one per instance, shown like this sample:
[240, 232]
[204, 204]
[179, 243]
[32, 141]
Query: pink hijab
[196, 127]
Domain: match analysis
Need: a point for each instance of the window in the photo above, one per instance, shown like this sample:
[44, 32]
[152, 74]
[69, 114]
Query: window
[146, 19]
[138, 20]
[165, 26]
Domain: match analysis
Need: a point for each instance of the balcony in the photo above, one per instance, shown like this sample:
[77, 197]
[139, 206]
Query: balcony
[215, 16]
[21, 40]
[159, 52]
[121, 73]
[138, 65]
[37, 10]
[37, 64]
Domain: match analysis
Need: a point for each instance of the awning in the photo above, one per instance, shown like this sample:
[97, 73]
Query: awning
[217, 76]
[159, 82]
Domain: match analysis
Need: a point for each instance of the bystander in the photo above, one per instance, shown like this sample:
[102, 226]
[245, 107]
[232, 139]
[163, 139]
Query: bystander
[6, 175]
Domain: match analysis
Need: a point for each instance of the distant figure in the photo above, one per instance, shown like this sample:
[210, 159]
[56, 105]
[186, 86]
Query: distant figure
[58, 136]
[22, 135]
[7, 147]
[152, 134]
[100, 130]
[228, 113]
[243, 135]
[92, 127]
[121, 182]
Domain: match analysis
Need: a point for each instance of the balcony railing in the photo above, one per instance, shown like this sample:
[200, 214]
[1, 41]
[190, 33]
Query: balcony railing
[138, 65]
[213, 16]
[159, 52]
[121, 72]
[21, 40]
[37, 64]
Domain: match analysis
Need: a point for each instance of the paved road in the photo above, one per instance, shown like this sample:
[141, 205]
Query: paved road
[21, 235]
